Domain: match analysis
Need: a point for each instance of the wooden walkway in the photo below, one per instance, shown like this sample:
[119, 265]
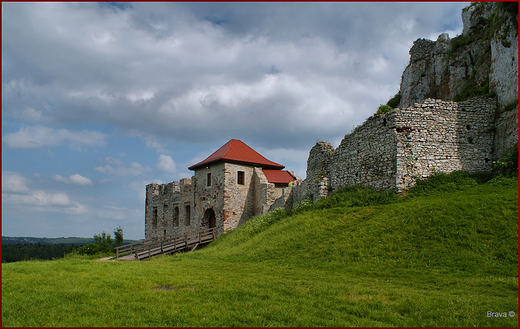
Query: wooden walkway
[167, 244]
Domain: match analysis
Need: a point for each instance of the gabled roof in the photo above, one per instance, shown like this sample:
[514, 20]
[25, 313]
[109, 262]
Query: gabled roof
[278, 176]
[237, 151]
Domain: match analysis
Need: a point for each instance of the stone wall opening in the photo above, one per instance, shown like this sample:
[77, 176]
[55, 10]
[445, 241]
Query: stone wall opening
[210, 219]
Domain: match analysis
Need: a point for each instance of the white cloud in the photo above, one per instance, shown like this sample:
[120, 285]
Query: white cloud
[16, 190]
[13, 183]
[40, 136]
[60, 178]
[118, 213]
[32, 115]
[73, 179]
[153, 143]
[113, 161]
[80, 180]
[166, 163]
[116, 167]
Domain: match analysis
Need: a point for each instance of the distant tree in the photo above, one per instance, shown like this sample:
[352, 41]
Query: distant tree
[103, 243]
[118, 235]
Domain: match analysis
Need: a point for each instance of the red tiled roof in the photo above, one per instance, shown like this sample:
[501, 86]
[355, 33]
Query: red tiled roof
[238, 152]
[278, 176]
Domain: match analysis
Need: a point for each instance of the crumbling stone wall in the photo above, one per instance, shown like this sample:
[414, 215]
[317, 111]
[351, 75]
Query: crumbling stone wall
[391, 151]
[367, 156]
[439, 136]
[317, 183]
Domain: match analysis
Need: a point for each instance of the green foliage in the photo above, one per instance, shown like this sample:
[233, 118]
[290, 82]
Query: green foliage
[118, 236]
[394, 101]
[458, 42]
[509, 164]
[441, 183]
[302, 206]
[510, 106]
[383, 109]
[36, 251]
[356, 196]
[103, 243]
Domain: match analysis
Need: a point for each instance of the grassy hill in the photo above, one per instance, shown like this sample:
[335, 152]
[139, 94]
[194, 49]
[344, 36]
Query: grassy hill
[444, 255]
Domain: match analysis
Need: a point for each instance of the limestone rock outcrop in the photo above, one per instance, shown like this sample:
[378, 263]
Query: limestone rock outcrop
[482, 61]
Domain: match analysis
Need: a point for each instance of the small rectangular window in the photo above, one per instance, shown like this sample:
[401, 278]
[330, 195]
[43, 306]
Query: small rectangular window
[240, 178]
[176, 216]
[188, 216]
[208, 182]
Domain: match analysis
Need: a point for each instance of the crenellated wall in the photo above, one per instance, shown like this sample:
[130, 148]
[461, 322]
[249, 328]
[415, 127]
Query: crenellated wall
[165, 209]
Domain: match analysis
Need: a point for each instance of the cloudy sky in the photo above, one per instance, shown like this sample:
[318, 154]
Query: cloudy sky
[100, 99]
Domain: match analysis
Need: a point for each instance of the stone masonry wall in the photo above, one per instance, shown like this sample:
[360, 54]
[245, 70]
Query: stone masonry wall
[438, 136]
[209, 197]
[391, 151]
[165, 211]
[367, 156]
[238, 199]
[316, 184]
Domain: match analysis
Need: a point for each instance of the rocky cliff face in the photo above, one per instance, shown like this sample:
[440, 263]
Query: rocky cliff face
[482, 61]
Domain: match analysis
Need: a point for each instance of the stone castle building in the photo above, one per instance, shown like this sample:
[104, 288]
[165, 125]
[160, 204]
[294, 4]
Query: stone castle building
[229, 187]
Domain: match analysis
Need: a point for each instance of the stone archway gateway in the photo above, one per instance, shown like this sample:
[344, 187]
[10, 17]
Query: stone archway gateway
[210, 219]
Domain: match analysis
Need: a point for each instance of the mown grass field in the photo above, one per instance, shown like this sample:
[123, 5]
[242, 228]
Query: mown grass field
[444, 255]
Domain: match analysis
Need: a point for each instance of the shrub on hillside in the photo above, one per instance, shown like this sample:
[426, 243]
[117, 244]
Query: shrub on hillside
[356, 196]
[383, 109]
[509, 164]
[394, 101]
[442, 182]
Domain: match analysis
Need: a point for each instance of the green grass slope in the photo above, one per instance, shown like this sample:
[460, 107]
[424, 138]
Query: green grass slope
[444, 255]
[470, 230]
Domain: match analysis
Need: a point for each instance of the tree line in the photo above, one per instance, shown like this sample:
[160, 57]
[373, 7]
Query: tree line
[32, 251]
[104, 243]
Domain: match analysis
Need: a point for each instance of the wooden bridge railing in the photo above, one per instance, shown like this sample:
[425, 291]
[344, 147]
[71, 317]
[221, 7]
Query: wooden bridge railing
[168, 244]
